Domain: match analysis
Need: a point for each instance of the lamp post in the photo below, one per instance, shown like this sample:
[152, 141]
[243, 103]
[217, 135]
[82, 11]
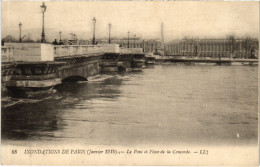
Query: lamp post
[190, 50]
[75, 39]
[134, 40]
[195, 50]
[20, 37]
[94, 22]
[60, 35]
[43, 7]
[109, 28]
[143, 45]
[128, 39]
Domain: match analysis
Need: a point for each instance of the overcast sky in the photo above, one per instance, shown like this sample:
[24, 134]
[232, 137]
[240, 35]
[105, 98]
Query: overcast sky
[199, 19]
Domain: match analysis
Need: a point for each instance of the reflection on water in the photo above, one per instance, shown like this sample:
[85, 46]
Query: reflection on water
[168, 104]
[38, 118]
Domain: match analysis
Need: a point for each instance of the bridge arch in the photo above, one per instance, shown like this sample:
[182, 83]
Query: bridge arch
[75, 78]
[121, 69]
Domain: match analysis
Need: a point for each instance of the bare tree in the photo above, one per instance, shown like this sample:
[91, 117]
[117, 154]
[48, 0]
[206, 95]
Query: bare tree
[247, 45]
[233, 44]
[10, 38]
[28, 39]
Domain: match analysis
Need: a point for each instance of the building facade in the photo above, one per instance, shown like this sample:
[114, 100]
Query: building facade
[214, 48]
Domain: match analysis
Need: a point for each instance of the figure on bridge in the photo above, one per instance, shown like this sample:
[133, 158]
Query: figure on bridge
[55, 42]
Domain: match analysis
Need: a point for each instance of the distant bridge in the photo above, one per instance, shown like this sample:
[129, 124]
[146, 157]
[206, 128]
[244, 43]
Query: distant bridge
[218, 61]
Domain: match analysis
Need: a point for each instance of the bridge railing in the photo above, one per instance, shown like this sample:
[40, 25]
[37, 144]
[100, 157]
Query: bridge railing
[29, 52]
[73, 50]
[211, 58]
[7, 53]
[131, 50]
[35, 52]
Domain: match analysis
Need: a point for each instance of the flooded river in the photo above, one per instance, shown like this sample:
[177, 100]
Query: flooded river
[164, 104]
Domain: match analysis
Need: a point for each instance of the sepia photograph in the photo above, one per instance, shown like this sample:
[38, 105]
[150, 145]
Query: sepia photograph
[129, 83]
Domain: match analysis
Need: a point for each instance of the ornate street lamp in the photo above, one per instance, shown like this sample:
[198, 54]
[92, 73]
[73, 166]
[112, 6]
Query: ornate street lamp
[134, 40]
[43, 7]
[20, 37]
[143, 46]
[60, 35]
[109, 27]
[195, 50]
[128, 39]
[94, 22]
[74, 38]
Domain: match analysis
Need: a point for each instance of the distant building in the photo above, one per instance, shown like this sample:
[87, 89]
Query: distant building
[228, 47]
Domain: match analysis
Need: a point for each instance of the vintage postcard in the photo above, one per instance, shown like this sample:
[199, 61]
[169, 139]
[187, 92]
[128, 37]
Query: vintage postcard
[129, 83]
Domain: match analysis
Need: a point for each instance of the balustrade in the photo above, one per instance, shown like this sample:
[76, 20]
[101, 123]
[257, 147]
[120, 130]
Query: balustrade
[7, 53]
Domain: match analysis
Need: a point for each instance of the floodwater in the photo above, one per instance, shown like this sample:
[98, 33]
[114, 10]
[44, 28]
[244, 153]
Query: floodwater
[163, 104]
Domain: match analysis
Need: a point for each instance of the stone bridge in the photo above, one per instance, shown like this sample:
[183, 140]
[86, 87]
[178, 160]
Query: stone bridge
[43, 66]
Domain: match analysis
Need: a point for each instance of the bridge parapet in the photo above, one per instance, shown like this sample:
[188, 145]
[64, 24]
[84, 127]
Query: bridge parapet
[72, 50]
[30, 52]
[7, 53]
[131, 50]
[40, 52]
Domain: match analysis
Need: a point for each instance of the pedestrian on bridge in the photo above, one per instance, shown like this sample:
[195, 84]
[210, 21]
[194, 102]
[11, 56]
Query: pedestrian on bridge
[55, 42]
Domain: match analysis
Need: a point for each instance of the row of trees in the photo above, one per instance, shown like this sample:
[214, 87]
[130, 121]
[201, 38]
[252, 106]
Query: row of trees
[27, 39]
[10, 38]
[248, 45]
